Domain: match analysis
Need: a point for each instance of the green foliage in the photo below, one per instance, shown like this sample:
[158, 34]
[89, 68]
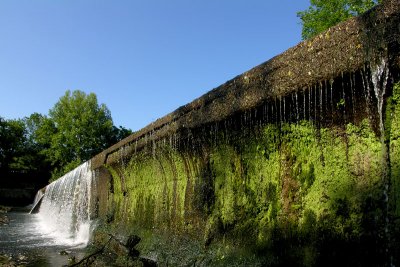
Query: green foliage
[323, 14]
[40, 129]
[118, 133]
[12, 143]
[341, 103]
[83, 127]
[21, 160]
[76, 129]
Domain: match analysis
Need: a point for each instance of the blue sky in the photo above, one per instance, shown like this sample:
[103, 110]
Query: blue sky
[143, 59]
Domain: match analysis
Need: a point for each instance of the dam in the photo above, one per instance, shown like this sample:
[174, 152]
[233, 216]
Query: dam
[295, 162]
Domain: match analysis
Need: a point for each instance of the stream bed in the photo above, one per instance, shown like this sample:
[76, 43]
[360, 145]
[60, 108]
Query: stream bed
[25, 241]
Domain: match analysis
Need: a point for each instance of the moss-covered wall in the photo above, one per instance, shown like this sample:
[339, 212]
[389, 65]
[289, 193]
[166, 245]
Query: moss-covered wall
[268, 189]
[294, 163]
[393, 138]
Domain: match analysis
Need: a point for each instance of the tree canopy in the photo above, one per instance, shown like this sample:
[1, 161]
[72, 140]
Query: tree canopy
[82, 127]
[12, 142]
[76, 129]
[323, 14]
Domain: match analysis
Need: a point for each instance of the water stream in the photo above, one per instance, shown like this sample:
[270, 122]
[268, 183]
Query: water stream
[23, 241]
[63, 223]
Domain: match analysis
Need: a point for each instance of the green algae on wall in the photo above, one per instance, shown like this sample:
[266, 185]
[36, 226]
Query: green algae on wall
[155, 189]
[393, 129]
[393, 140]
[275, 191]
[306, 179]
[269, 187]
[289, 192]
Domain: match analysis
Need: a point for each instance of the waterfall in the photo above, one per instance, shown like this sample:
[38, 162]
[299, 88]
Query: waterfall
[65, 213]
[380, 75]
[37, 201]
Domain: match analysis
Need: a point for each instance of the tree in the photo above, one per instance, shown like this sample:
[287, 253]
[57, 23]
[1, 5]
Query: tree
[82, 128]
[76, 129]
[19, 152]
[12, 143]
[323, 14]
[119, 133]
[39, 131]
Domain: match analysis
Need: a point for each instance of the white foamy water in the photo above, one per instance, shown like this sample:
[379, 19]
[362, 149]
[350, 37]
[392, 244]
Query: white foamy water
[23, 237]
[65, 212]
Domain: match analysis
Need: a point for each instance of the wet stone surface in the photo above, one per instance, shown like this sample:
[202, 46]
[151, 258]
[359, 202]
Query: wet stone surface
[14, 260]
[3, 215]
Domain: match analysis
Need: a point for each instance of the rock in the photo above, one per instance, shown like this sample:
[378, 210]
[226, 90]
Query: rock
[4, 259]
[148, 262]
[22, 257]
[7, 261]
[132, 241]
[72, 259]
[64, 253]
[4, 219]
[124, 245]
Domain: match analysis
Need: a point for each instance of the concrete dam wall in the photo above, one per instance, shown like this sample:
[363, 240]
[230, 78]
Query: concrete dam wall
[295, 162]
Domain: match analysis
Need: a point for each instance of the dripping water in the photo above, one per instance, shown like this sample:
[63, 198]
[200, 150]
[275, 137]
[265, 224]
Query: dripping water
[366, 91]
[136, 143]
[320, 102]
[284, 108]
[297, 107]
[331, 102]
[309, 104]
[344, 100]
[379, 77]
[326, 99]
[304, 106]
[315, 103]
[352, 89]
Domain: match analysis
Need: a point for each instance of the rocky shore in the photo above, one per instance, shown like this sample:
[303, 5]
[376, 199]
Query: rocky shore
[3, 215]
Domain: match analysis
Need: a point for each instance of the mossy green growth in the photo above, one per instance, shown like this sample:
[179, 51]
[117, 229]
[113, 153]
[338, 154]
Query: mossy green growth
[152, 190]
[293, 175]
[288, 193]
[394, 146]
